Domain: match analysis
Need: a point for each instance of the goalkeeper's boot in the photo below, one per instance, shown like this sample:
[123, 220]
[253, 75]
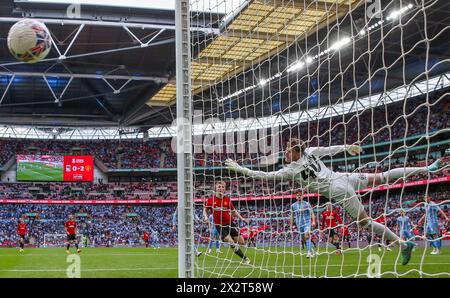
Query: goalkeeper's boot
[79, 251]
[406, 252]
[198, 253]
[218, 251]
[435, 166]
[246, 261]
[68, 252]
[208, 251]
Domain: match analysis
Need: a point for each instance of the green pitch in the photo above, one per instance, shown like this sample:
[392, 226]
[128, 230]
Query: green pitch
[37, 171]
[141, 262]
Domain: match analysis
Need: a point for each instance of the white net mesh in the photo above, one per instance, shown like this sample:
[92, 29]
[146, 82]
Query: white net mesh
[329, 73]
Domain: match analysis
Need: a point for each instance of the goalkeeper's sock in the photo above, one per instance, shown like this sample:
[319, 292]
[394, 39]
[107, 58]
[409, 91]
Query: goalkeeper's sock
[76, 246]
[68, 246]
[401, 172]
[384, 232]
[217, 244]
[210, 244]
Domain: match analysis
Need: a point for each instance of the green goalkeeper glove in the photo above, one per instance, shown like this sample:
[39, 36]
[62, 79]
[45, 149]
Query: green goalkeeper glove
[235, 167]
[354, 149]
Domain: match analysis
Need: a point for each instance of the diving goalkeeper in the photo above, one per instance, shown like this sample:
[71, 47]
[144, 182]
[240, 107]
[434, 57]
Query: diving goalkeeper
[305, 167]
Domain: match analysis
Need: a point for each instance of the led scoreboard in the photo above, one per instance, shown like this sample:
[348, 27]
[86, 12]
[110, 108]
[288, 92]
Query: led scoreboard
[78, 168]
[55, 168]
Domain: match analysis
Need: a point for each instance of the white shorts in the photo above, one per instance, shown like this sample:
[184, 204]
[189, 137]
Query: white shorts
[343, 191]
[357, 180]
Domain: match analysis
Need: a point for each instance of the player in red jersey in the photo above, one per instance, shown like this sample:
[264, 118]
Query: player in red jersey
[253, 233]
[330, 220]
[71, 231]
[146, 237]
[223, 211]
[22, 231]
[382, 220]
[346, 235]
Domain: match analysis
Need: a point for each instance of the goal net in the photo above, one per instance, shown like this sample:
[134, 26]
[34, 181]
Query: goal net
[347, 73]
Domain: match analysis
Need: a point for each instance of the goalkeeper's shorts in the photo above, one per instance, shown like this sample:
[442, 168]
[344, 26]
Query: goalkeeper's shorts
[343, 190]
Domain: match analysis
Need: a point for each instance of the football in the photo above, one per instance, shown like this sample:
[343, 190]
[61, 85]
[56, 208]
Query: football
[29, 41]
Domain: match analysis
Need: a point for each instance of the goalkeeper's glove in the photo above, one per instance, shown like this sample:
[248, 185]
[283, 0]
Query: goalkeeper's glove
[354, 149]
[235, 167]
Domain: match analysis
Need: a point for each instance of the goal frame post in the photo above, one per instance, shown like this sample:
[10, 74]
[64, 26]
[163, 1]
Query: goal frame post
[184, 140]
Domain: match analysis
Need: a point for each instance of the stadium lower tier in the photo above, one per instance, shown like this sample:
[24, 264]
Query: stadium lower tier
[166, 191]
[124, 225]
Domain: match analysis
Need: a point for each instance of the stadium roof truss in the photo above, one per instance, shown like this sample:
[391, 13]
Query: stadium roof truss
[148, 41]
[258, 30]
[380, 99]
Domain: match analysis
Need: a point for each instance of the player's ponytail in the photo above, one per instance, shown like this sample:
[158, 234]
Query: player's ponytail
[297, 145]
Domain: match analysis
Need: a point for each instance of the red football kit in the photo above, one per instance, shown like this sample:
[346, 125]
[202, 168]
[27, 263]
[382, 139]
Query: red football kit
[71, 227]
[222, 209]
[330, 219]
[22, 229]
[381, 220]
[345, 231]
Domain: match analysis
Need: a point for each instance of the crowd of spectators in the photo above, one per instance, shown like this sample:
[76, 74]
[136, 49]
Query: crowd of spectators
[159, 189]
[108, 225]
[104, 225]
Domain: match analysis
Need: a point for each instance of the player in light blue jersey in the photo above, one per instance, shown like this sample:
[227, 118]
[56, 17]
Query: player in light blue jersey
[155, 239]
[213, 236]
[431, 217]
[404, 226]
[304, 217]
[174, 229]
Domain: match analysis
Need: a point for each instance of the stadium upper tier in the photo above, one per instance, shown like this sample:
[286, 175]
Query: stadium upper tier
[385, 127]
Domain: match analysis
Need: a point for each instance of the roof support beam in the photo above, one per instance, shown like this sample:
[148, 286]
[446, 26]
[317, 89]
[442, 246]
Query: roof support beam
[110, 24]
[85, 76]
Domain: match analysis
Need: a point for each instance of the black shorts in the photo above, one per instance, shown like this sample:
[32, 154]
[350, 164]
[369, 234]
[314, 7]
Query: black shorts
[230, 229]
[333, 232]
[72, 237]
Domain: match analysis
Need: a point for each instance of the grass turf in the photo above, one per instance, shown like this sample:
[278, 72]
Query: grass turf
[141, 262]
[38, 171]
